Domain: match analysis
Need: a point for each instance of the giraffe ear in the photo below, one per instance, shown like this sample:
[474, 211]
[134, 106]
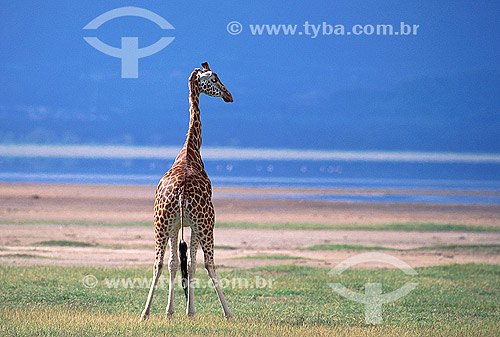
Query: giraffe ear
[205, 66]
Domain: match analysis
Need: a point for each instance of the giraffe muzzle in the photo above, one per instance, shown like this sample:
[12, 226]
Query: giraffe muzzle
[227, 97]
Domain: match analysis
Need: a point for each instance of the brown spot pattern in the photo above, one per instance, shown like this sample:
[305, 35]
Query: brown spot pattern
[187, 178]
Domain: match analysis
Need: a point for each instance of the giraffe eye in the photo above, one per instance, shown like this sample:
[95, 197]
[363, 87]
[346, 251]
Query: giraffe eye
[214, 80]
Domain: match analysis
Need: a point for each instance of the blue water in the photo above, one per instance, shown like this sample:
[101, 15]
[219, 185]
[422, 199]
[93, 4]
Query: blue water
[482, 180]
[464, 199]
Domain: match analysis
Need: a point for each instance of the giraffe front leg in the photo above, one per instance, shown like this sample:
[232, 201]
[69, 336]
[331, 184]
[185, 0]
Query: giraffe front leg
[191, 272]
[173, 265]
[157, 268]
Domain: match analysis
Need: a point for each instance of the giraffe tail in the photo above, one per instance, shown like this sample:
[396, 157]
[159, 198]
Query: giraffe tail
[184, 270]
[183, 249]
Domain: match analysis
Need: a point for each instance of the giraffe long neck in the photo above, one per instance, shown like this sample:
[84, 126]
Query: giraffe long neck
[193, 141]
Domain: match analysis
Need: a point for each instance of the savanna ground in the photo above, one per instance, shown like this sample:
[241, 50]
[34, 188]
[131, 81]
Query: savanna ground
[76, 260]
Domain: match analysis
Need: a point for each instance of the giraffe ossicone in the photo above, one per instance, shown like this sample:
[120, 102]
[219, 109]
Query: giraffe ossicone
[184, 194]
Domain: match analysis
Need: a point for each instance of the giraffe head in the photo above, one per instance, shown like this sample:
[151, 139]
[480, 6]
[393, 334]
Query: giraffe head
[209, 84]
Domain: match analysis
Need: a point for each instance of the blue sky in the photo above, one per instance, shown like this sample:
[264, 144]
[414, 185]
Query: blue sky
[436, 91]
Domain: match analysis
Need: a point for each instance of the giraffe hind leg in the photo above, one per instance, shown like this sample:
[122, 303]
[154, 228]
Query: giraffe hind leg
[193, 247]
[173, 264]
[208, 251]
[157, 269]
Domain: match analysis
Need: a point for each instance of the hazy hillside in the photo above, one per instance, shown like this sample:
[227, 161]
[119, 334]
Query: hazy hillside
[448, 113]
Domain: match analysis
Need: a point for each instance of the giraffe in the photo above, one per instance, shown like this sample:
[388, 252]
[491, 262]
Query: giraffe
[184, 193]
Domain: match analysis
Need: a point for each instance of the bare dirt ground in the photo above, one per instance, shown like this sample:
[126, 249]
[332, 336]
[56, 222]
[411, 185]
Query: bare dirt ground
[114, 204]
[46, 205]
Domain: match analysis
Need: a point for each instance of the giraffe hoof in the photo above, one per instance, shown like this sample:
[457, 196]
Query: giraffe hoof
[144, 317]
[169, 314]
[229, 317]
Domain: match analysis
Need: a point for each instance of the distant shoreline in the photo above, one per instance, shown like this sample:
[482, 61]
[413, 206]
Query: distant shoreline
[233, 153]
[408, 184]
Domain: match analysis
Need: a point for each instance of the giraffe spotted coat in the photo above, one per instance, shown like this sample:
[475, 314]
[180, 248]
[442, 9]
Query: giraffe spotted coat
[186, 189]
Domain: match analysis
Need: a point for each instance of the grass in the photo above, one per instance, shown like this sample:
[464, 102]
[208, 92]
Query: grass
[483, 247]
[225, 247]
[270, 257]
[406, 226]
[488, 248]
[68, 243]
[23, 256]
[346, 247]
[63, 243]
[456, 300]
[429, 227]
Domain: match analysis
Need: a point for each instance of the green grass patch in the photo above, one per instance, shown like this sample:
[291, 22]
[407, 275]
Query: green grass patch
[454, 300]
[271, 257]
[410, 226]
[346, 247]
[489, 248]
[63, 243]
[250, 225]
[474, 247]
[428, 227]
[81, 223]
[406, 226]
[225, 247]
[24, 256]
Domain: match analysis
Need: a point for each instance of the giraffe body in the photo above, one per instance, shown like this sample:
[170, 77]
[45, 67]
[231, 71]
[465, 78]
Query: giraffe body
[184, 194]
